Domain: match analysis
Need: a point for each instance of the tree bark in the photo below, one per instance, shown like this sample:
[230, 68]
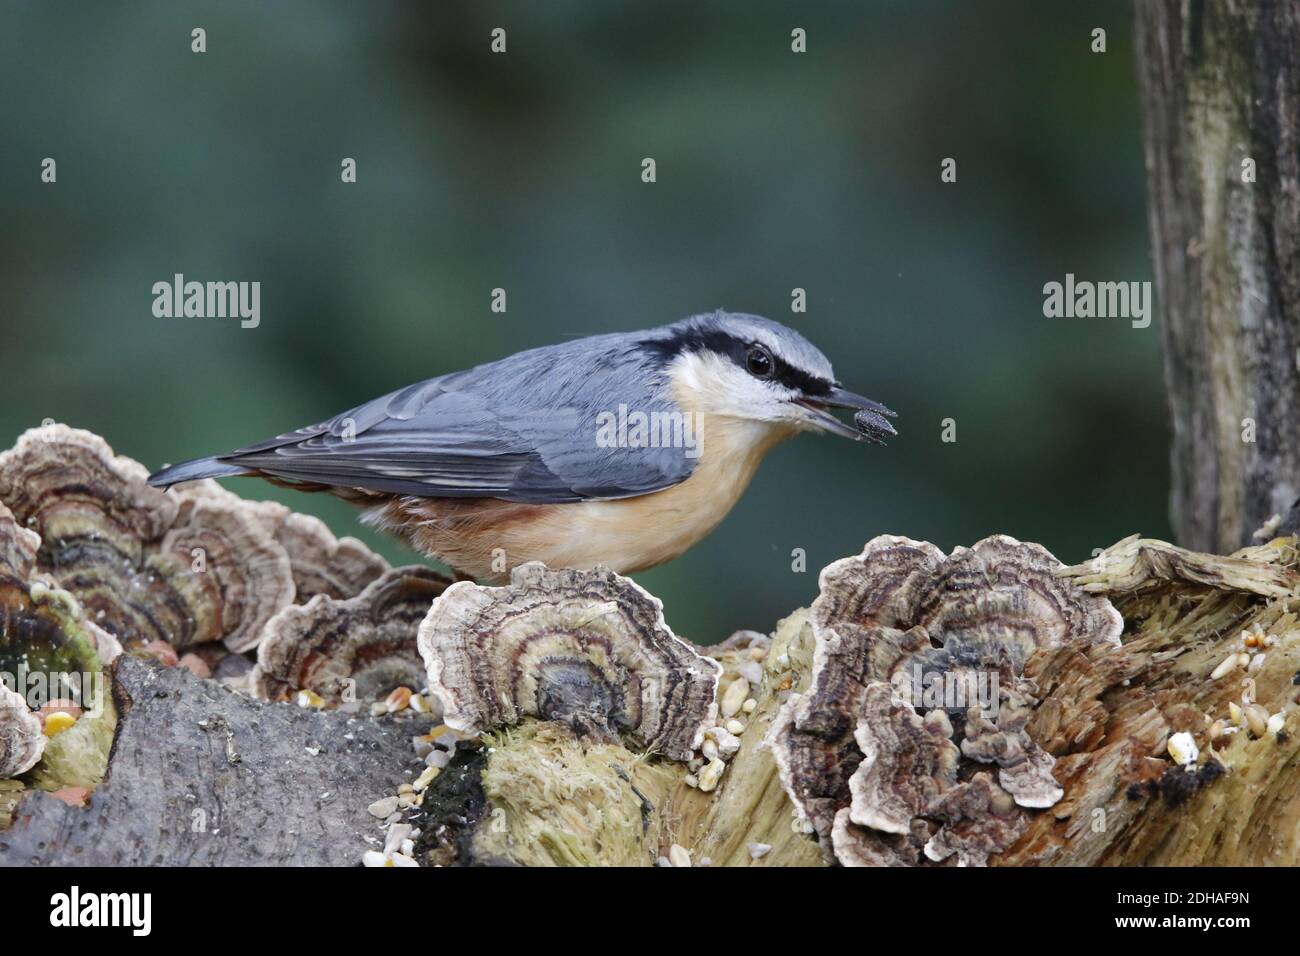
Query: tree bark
[1220, 87]
[200, 776]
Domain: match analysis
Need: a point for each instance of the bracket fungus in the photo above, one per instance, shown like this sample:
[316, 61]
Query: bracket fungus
[979, 818]
[1025, 768]
[43, 630]
[588, 649]
[917, 683]
[146, 565]
[365, 644]
[907, 761]
[323, 564]
[21, 740]
[320, 563]
[53, 655]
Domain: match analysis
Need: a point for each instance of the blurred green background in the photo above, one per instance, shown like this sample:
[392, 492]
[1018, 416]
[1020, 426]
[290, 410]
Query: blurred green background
[522, 171]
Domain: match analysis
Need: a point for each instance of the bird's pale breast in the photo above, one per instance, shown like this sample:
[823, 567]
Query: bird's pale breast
[484, 538]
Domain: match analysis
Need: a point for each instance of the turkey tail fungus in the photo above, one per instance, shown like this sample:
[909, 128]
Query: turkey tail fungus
[984, 707]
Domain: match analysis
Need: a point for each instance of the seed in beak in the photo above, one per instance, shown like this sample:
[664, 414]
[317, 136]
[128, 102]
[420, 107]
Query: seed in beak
[873, 426]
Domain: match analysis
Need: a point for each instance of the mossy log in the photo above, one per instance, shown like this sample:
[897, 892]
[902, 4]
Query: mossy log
[286, 785]
[536, 794]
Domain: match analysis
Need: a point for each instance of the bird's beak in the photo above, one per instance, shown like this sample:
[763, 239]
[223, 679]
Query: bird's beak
[870, 419]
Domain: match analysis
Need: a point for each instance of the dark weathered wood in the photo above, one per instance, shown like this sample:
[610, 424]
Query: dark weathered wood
[200, 776]
[1220, 83]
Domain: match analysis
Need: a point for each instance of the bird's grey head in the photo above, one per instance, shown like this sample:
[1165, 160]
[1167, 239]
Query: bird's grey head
[752, 369]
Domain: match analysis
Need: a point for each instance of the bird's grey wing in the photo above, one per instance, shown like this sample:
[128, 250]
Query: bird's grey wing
[466, 435]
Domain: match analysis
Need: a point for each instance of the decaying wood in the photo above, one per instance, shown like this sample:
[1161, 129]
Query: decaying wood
[1220, 86]
[1106, 716]
[200, 776]
[541, 797]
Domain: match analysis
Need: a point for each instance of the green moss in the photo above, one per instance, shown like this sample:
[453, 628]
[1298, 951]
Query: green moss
[45, 635]
[43, 638]
[78, 757]
[556, 800]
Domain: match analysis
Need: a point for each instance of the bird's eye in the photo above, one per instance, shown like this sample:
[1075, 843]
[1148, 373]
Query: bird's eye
[759, 362]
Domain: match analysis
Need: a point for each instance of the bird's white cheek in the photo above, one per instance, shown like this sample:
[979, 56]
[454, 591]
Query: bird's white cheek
[707, 380]
[719, 387]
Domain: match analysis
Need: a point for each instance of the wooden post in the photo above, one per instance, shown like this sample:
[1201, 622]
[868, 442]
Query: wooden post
[1220, 85]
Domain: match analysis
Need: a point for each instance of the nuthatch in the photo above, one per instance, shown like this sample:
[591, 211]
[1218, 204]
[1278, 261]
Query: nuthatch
[622, 449]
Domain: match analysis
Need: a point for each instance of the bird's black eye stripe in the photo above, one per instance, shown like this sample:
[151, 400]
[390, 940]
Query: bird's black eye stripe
[738, 351]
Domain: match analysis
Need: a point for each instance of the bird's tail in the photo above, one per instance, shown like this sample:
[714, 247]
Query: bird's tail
[194, 470]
